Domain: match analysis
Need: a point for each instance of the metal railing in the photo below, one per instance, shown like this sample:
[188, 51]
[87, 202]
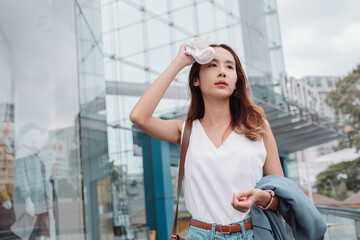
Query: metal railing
[342, 224]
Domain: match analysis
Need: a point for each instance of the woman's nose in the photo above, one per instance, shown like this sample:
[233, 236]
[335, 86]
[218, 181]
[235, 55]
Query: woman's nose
[221, 72]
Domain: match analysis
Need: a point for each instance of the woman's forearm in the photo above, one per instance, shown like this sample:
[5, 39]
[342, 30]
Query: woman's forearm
[148, 102]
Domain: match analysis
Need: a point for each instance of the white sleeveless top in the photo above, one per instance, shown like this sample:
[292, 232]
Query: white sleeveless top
[213, 174]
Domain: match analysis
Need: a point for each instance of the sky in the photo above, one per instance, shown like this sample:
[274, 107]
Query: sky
[320, 37]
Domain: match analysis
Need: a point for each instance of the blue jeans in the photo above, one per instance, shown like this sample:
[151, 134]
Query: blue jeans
[195, 233]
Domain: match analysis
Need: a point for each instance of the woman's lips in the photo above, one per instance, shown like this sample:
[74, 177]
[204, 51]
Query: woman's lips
[221, 84]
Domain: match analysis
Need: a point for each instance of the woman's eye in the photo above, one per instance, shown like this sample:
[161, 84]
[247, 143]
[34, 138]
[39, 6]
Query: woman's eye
[229, 66]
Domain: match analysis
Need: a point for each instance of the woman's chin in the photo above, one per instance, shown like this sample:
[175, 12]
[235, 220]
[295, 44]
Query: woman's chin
[218, 95]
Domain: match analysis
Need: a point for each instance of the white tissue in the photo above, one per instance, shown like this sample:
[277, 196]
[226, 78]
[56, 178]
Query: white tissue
[200, 50]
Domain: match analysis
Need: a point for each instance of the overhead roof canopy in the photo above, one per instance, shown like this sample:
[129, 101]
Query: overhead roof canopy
[292, 131]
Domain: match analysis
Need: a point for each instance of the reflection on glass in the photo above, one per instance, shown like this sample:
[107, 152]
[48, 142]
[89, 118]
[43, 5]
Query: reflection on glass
[7, 216]
[31, 190]
[40, 176]
[93, 125]
[258, 65]
[126, 172]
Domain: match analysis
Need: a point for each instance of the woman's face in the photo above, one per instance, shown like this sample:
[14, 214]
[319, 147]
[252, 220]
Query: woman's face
[218, 77]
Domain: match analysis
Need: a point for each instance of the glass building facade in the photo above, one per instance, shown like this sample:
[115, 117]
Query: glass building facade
[72, 164]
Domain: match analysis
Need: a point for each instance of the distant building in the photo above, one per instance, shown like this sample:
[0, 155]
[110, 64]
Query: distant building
[318, 164]
[352, 201]
[322, 84]
[322, 200]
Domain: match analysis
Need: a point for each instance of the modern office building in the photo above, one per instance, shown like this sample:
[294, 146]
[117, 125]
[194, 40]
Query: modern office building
[309, 170]
[71, 72]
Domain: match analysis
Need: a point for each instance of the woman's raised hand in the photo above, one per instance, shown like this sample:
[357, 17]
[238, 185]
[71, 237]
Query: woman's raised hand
[183, 58]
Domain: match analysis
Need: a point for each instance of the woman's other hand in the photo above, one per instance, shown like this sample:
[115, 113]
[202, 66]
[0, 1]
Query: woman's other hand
[243, 201]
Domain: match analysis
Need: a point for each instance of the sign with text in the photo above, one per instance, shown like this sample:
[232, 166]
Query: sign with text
[300, 94]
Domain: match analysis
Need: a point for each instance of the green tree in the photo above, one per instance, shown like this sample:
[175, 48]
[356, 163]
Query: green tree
[116, 175]
[339, 180]
[345, 99]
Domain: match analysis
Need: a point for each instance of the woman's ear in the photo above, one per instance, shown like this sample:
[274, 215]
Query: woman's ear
[196, 82]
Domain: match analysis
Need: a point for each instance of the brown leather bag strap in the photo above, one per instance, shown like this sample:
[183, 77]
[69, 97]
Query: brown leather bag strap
[184, 147]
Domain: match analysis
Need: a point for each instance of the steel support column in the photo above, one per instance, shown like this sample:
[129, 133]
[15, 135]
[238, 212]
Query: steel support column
[158, 189]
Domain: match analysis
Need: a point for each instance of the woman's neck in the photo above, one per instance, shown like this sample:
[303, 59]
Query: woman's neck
[217, 113]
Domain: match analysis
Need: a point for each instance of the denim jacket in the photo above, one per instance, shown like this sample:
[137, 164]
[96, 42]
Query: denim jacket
[294, 206]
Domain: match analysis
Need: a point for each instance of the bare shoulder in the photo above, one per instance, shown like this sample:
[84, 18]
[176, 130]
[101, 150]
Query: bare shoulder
[267, 128]
[267, 124]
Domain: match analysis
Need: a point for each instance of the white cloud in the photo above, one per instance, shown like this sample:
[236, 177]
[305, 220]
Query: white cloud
[320, 37]
[350, 36]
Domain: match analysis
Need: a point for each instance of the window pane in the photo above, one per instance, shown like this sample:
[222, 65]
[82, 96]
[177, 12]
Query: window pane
[185, 18]
[133, 74]
[318, 82]
[160, 58]
[131, 40]
[179, 4]
[158, 33]
[206, 12]
[125, 15]
[157, 6]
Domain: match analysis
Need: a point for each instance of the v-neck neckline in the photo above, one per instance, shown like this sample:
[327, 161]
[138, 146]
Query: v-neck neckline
[211, 142]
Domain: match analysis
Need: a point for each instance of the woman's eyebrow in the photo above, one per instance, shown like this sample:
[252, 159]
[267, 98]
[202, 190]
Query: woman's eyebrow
[227, 61]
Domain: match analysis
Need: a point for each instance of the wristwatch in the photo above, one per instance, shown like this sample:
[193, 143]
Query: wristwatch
[272, 193]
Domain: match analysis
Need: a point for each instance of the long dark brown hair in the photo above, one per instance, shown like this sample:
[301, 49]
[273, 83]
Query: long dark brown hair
[246, 117]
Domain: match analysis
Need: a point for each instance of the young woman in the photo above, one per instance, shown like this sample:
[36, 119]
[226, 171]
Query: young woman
[231, 144]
